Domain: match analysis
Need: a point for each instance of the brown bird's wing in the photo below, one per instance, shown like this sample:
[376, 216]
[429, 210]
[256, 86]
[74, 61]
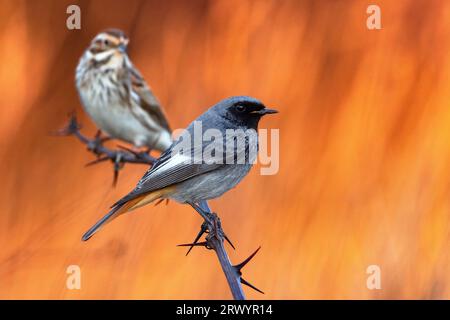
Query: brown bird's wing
[148, 100]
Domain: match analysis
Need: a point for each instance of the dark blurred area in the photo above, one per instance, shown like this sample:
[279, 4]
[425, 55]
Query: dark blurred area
[364, 150]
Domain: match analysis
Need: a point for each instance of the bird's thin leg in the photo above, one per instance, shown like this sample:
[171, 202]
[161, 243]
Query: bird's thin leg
[204, 205]
[205, 214]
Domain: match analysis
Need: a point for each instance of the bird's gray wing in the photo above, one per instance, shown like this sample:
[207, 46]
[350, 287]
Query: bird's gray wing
[170, 169]
[176, 166]
[147, 99]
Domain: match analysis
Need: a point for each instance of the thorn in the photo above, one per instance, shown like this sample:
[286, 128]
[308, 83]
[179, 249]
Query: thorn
[71, 127]
[243, 263]
[228, 240]
[203, 229]
[91, 163]
[73, 123]
[197, 244]
[159, 201]
[117, 167]
[250, 285]
[115, 177]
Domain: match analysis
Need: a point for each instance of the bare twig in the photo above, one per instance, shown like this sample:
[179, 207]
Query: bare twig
[215, 241]
[95, 145]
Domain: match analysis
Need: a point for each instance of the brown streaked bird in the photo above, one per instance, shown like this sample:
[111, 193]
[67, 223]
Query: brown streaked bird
[116, 96]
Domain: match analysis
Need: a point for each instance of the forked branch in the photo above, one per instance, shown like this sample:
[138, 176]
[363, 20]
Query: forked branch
[96, 145]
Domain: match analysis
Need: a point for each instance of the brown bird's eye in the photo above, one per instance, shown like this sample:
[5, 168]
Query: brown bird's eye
[106, 42]
[240, 108]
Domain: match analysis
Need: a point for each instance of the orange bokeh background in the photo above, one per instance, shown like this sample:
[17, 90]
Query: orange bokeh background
[364, 150]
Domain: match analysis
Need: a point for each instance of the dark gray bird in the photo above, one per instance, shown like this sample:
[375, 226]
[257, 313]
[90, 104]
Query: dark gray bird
[187, 174]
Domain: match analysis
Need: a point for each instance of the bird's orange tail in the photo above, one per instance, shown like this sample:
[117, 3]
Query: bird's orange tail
[123, 208]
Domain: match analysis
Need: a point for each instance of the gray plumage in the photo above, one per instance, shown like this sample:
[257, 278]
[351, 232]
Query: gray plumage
[196, 182]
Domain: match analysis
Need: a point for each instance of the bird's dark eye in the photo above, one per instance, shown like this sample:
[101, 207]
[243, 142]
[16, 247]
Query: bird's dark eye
[106, 42]
[240, 108]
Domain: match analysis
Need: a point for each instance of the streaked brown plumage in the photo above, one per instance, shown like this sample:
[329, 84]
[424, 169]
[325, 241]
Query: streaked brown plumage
[116, 96]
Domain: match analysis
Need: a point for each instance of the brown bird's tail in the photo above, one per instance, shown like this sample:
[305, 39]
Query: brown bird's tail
[121, 208]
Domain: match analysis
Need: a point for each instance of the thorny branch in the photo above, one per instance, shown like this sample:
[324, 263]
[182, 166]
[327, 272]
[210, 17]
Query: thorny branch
[215, 240]
[95, 145]
[211, 226]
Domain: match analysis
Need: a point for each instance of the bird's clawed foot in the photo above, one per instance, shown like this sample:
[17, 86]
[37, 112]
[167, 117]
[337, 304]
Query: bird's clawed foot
[205, 228]
[218, 231]
[143, 155]
[95, 145]
[212, 227]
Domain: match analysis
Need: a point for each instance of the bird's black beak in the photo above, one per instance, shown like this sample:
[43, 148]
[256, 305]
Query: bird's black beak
[266, 111]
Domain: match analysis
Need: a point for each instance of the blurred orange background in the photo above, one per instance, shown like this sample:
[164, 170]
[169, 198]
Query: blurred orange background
[364, 150]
